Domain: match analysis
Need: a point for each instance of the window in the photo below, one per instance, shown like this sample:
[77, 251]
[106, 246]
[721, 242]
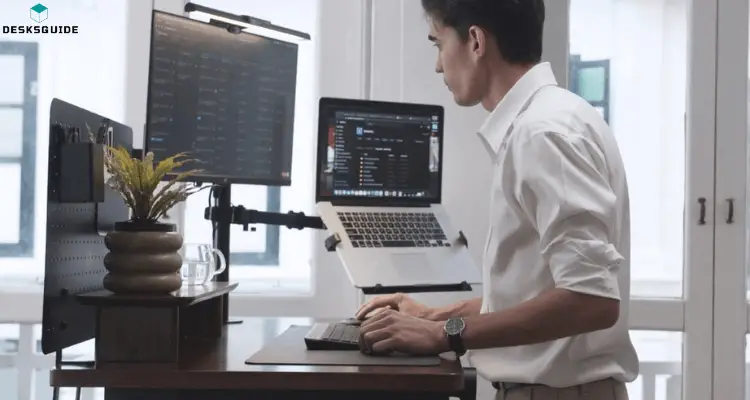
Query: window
[272, 258]
[644, 103]
[590, 80]
[19, 63]
[270, 254]
[86, 69]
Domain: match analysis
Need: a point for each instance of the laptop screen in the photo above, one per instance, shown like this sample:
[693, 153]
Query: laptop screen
[370, 151]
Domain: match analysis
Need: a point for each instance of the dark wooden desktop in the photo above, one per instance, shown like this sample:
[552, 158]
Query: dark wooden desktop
[217, 369]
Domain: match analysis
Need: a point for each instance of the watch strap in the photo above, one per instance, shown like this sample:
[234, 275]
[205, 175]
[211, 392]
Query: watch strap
[456, 344]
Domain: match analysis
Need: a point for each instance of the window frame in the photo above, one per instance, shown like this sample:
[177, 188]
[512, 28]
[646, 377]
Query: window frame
[30, 53]
[576, 65]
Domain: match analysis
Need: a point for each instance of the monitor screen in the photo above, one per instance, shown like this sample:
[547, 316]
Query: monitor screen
[371, 150]
[226, 99]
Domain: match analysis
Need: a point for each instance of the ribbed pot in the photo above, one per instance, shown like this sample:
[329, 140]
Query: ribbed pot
[143, 258]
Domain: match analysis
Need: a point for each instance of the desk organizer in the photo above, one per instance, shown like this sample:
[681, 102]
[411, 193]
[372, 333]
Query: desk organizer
[74, 247]
[154, 330]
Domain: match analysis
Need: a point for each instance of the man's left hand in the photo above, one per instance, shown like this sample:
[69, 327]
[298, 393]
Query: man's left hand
[390, 331]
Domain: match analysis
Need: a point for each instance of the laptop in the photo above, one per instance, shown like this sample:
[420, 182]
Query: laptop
[379, 187]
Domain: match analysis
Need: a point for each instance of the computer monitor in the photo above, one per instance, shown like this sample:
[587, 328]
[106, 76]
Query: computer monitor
[226, 98]
[371, 151]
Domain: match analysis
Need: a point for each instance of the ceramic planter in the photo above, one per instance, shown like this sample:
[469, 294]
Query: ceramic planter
[143, 258]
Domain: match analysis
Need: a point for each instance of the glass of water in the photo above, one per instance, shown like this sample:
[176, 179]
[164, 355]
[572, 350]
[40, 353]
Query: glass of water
[201, 263]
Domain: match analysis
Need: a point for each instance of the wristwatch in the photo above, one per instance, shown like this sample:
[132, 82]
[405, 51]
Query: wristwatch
[454, 330]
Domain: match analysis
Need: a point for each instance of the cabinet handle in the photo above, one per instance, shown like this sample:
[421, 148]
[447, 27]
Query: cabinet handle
[730, 214]
[702, 219]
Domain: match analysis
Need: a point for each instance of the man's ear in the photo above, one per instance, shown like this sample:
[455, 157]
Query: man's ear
[477, 40]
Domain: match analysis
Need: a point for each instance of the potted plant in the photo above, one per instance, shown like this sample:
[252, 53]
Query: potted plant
[143, 253]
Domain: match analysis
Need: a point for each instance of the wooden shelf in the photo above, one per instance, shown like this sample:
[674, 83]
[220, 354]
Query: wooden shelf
[185, 296]
[154, 329]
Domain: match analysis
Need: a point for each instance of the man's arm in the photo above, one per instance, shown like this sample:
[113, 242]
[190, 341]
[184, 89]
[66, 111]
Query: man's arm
[556, 314]
[467, 308]
[561, 186]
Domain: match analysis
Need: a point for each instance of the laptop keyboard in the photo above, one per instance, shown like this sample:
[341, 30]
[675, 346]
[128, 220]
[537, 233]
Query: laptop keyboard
[393, 229]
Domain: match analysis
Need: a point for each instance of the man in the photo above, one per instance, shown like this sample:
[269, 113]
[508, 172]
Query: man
[552, 321]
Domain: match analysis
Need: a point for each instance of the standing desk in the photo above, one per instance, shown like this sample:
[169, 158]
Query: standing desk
[219, 372]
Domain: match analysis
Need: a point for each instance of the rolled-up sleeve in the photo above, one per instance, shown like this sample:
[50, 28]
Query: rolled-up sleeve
[561, 184]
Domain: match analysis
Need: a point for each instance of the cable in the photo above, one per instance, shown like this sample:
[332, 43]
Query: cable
[214, 223]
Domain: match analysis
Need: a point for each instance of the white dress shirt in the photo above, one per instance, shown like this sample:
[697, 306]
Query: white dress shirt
[559, 219]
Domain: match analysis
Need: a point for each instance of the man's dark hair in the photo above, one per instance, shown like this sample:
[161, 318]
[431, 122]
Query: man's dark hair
[516, 25]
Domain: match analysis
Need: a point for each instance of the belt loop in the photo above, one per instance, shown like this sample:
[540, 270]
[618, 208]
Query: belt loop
[501, 388]
[583, 390]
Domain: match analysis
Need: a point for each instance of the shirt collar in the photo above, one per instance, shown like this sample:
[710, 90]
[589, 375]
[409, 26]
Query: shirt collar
[500, 120]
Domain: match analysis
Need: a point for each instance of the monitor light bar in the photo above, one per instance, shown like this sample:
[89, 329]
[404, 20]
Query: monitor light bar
[243, 23]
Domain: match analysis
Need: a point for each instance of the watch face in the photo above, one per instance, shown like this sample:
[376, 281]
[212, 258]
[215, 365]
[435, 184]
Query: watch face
[454, 326]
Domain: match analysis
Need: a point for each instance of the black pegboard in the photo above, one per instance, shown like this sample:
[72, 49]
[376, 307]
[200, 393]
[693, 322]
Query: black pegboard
[75, 237]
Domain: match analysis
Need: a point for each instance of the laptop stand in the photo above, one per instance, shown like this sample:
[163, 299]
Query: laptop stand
[334, 239]
[240, 216]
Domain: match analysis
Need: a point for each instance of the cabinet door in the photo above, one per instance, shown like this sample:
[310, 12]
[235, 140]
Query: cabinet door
[731, 255]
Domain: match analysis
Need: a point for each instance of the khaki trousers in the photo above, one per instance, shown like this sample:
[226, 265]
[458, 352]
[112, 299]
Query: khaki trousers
[608, 389]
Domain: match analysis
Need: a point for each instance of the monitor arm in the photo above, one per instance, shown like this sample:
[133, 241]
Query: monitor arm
[242, 216]
[223, 214]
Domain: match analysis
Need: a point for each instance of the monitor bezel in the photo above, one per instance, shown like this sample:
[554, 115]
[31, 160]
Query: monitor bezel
[377, 107]
[206, 178]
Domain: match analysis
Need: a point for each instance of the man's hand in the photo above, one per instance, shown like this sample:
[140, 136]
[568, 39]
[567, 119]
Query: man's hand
[391, 330]
[399, 302]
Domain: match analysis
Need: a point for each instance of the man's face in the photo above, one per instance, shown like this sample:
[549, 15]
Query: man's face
[458, 61]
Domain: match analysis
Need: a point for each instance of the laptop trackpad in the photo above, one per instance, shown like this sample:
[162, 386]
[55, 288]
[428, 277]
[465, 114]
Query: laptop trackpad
[412, 267]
